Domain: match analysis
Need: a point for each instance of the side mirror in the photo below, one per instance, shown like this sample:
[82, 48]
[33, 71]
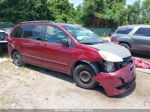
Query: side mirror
[65, 42]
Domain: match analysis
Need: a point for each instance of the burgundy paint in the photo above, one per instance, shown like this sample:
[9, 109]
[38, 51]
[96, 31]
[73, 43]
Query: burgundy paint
[110, 81]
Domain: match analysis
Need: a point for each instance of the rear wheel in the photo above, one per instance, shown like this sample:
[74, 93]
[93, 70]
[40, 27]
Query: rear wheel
[125, 45]
[17, 59]
[83, 76]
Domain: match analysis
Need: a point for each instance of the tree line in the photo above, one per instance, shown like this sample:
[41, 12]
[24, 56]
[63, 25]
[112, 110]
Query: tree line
[92, 13]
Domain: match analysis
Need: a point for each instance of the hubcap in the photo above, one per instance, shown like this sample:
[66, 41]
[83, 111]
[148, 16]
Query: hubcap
[17, 59]
[85, 77]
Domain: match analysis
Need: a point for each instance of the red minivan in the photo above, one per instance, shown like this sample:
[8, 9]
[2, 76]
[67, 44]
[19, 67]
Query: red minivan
[73, 50]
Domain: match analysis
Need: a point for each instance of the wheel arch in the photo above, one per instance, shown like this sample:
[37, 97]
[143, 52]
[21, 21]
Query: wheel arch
[126, 43]
[94, 65]
[126, 39]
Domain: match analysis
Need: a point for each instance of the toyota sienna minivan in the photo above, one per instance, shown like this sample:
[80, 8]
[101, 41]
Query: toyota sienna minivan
[73, 50]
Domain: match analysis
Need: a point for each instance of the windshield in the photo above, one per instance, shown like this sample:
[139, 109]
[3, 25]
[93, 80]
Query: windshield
[83, 35]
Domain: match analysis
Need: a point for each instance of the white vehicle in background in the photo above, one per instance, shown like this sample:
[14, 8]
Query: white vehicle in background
[3, 42]
[8, 30]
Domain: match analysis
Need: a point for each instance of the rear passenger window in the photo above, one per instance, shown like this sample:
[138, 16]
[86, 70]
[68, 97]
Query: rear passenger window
[17, 32]
[34, 31]
[143, 32]
[124, 30]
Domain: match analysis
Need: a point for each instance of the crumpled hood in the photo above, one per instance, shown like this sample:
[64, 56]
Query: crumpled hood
[113, 48]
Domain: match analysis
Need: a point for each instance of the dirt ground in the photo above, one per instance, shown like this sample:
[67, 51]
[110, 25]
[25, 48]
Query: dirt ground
[31, 87]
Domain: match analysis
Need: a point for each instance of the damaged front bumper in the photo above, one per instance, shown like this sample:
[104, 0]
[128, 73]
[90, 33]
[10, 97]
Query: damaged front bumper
[118, 82]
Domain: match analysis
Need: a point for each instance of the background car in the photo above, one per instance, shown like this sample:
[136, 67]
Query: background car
[136, 38]
[8, 30]
[3, 42]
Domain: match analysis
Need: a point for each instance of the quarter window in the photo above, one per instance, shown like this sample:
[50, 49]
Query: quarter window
[34, 32]
[143, 32]
[17, 32]
[55, 34]
[124, 30]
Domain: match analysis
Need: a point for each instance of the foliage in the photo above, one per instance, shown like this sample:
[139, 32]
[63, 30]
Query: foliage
[23, 10]
[146, 12]
[134, 13]
[62, 10]
[94, 13]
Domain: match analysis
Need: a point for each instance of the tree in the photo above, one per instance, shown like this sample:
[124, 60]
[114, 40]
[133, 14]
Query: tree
[115, 12]
[92, 13]
[146, 12]
[62, 11]
[134, 13]
[104, 13]
[78, 15]
[90, 10]
[25, 10]
[22, 10]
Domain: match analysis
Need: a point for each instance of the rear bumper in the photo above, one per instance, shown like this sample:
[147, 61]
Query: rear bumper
[118, 82]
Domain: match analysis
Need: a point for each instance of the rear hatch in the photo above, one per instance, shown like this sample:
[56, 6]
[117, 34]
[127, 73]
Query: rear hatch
[3, 36]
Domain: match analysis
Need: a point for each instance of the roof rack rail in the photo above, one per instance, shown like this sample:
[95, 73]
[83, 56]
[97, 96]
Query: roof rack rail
[38, 21]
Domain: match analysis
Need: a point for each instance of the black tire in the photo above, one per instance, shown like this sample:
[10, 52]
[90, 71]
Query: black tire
[126, 46]
[17, 59]
[83, 75]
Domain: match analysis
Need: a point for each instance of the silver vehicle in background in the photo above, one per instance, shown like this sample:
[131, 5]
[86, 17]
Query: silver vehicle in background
[3, 35]
[136, 38]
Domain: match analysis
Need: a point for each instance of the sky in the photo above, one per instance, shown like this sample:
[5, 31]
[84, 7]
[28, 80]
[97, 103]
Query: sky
[77, 2]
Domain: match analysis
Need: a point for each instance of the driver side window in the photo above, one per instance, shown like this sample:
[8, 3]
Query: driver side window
[55, 35]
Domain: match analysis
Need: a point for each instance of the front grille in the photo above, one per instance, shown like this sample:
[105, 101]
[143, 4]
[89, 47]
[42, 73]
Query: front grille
[112, 67]
[125, 62]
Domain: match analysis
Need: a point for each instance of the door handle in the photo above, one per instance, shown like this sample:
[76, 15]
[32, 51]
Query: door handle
[45, 45]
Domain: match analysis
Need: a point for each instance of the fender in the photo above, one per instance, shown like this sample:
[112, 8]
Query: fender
[94, 65]
[125, 39]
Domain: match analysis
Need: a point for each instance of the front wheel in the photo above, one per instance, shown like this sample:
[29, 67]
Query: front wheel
[17, 59]
[83, 76]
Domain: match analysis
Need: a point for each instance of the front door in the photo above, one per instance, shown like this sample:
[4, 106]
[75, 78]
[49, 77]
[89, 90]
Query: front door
[55, 55]
[142, 39]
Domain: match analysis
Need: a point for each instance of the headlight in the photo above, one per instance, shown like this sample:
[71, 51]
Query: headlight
[110, 57]
[109, 67]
